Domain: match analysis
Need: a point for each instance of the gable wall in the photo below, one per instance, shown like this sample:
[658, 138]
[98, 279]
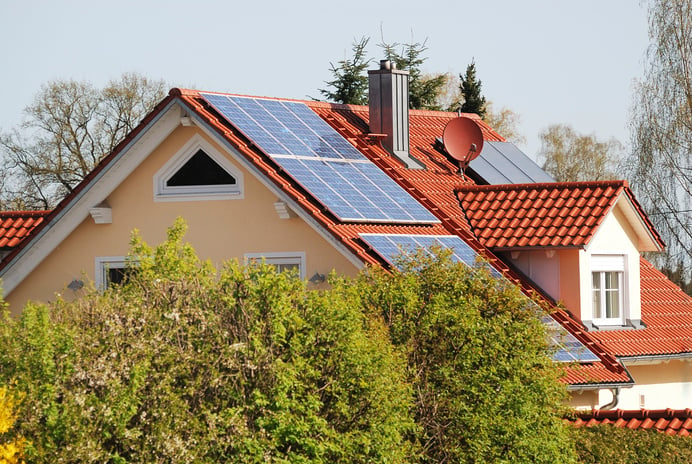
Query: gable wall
[615, 236]
[218, 229]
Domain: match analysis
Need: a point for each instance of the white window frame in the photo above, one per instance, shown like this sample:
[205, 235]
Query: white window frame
[103, 264]
[602, 264]
[280, 258]
[163, 192]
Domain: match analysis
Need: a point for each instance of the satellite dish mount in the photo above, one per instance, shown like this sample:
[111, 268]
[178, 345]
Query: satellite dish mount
[463, 141]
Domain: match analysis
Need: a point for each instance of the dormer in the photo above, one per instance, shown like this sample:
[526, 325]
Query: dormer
[579, 242]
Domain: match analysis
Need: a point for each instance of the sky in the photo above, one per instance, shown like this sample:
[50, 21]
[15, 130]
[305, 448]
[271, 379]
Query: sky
[549, 61]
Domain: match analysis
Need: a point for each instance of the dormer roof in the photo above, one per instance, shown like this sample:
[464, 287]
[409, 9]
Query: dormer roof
[551, 215]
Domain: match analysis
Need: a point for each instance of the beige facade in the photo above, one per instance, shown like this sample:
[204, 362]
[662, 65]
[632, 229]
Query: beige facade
[218, 229]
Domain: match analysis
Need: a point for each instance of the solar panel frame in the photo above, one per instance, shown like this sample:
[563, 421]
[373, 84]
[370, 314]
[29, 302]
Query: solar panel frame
[321, 160]
[503, 163]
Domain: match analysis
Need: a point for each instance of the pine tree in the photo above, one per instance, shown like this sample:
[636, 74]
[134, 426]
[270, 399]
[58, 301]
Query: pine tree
[424, 90]
[350, 82]
[470, 87]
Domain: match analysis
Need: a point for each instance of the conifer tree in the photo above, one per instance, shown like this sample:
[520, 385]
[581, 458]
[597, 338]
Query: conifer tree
[350, 82]
[424, 90]
[474, 101]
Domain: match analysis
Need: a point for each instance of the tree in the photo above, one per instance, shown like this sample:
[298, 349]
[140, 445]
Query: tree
[424, 89]
[486, 389]
[504, 122]
[660, 165]
[68, 129]
[571, 157]
[187, 363]
[350, 81]
[470, 86]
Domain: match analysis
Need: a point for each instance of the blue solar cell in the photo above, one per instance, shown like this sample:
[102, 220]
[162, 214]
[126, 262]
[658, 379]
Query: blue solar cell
[567, 347]
[321, 160]
[389, 246]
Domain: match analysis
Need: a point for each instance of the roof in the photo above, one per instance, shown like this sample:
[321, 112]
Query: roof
[668, 421]
[667, 314]
[15, 226]
[435, 187]
[543, 215]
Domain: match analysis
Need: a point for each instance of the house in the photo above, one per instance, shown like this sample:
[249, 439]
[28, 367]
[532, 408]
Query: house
[321, 187]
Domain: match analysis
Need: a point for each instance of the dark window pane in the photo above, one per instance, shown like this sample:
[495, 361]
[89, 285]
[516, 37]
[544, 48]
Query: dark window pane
[200, 170]
[119, 275]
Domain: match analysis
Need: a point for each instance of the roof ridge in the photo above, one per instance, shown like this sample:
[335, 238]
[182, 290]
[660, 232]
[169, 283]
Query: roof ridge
[547, 185]
[26, 213]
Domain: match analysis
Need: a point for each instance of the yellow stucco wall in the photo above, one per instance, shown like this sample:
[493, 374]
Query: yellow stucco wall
[218, 229]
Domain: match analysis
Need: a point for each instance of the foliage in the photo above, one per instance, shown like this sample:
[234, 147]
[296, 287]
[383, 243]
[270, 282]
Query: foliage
[10, 451]
[571, 157]
[607, 444]
[68, 129]
[660, 165]
[504, 121]
[424, 89]
[184, 363]
[350, 81]
[470, 86]
[486, 387]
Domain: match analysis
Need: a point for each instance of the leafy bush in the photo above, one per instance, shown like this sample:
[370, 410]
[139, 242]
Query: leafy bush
[607, 444]
[478, 360]
[186, 363]
[11, 448]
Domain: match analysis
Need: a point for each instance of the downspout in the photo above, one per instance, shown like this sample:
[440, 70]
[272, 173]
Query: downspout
[616, 399]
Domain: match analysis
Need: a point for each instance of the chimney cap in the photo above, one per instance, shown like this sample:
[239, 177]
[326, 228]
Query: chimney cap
[387, 64]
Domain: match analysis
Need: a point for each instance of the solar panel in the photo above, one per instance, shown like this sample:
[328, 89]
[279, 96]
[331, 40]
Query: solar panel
[321, 160]
[566, 347]
[504, 163]
[389, 246]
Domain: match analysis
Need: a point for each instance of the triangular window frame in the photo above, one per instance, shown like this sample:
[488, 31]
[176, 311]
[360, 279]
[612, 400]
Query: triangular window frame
[165, 192]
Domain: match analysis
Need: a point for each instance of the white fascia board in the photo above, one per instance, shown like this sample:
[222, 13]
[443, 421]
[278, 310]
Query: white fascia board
[98, 189]
[283, 196]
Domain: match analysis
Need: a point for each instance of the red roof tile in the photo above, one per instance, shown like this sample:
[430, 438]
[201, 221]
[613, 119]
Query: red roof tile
[15, 226]
[545, 215]
[668, 421]
[667, 313]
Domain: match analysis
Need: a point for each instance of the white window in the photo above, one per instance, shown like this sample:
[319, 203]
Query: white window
[283, 262]
[608, 289]
[198, 172]
[110, 270]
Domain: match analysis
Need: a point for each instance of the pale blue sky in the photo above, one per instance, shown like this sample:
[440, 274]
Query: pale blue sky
[550, 61]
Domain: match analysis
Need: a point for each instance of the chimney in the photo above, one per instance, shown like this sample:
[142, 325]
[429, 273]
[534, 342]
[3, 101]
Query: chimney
[389, 110]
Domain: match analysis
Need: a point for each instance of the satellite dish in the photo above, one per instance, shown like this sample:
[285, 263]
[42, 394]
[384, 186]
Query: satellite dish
[463, 140]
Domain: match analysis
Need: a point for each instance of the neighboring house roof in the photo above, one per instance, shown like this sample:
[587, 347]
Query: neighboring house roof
[668, 421]
[15, 226]
[563, 214]
[435, 187]
[667, 314]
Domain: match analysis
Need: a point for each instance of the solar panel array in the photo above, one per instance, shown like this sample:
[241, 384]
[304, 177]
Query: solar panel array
[504, 163]
[321, 160]
[390, 246]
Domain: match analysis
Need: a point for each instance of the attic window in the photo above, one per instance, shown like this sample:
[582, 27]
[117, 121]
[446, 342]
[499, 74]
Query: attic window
[198, 172]
[608, 289]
